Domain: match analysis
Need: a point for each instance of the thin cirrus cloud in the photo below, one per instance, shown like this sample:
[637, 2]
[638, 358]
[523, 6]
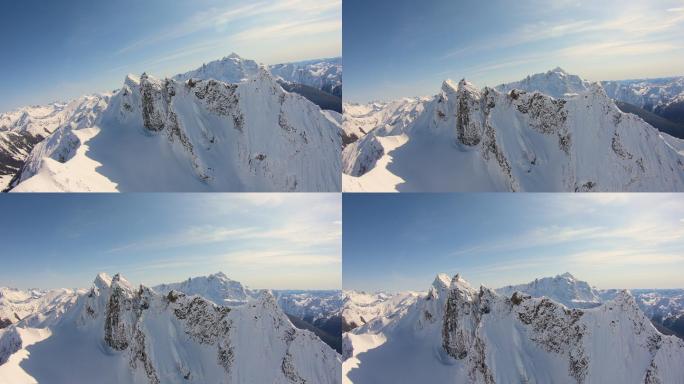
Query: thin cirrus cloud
[299, 234]
[218, 18]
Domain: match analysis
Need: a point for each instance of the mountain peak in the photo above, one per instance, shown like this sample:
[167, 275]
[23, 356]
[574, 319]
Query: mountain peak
[441, 281]
[449, 86]
[233, 55]
[567, 275]
[102, 280]
[219, 276]
[558, 70]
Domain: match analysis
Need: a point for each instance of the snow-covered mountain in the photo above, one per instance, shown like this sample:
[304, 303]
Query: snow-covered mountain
[649, 94]
[312, 306]
[360, 307]
[556, 83]
[23, 128]
[116, 333]
[323, 74]
[217, 288]
[192, 133]
[318, 310]
[467, 139]
[35, 307]
[665, 307]
[460, 334]
[564, 289]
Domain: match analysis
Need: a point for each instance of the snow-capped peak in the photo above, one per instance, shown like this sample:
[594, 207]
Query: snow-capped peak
[120, 282]
[216, 287]
[565, 289]
[448, 86]
[233, 55]
[556, 83]
[231, 69]
[442, 281]
[102, 281]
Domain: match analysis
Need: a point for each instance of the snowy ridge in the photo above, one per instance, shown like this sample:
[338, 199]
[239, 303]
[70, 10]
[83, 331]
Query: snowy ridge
[360, 308]
[36, 308]
[22, 129]
[122, 334]
[457, 333]
[466, 139]
[665, 307]
[206, 134]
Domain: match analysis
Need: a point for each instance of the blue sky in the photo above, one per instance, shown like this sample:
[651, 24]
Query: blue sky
[397, 48]
[56, 50]
[276, 241]
[400, 242]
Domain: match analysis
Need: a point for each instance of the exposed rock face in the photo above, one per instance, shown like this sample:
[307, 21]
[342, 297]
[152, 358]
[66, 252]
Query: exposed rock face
[10, 342]
[117, 330]
[468, 126]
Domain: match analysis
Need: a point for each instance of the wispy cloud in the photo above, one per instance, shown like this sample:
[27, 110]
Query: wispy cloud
[641, 29]
[191, 236]
[288, 29]
[217, 19]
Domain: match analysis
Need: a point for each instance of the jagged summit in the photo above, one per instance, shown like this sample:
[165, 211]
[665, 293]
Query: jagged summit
[233, 55]
[556, 83]
[558, 70]
[567, 275]
[102, 280]
[449, 86]
[442, 280]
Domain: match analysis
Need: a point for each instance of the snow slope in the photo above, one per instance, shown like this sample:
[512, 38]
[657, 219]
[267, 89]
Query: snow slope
[116, 333]
[467, 139]
[200, 134]
[359, 308]
[34, 307]
[22, 129]
[460, 334]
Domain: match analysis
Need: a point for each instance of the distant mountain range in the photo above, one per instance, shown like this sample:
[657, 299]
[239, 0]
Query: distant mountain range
[548, 132]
